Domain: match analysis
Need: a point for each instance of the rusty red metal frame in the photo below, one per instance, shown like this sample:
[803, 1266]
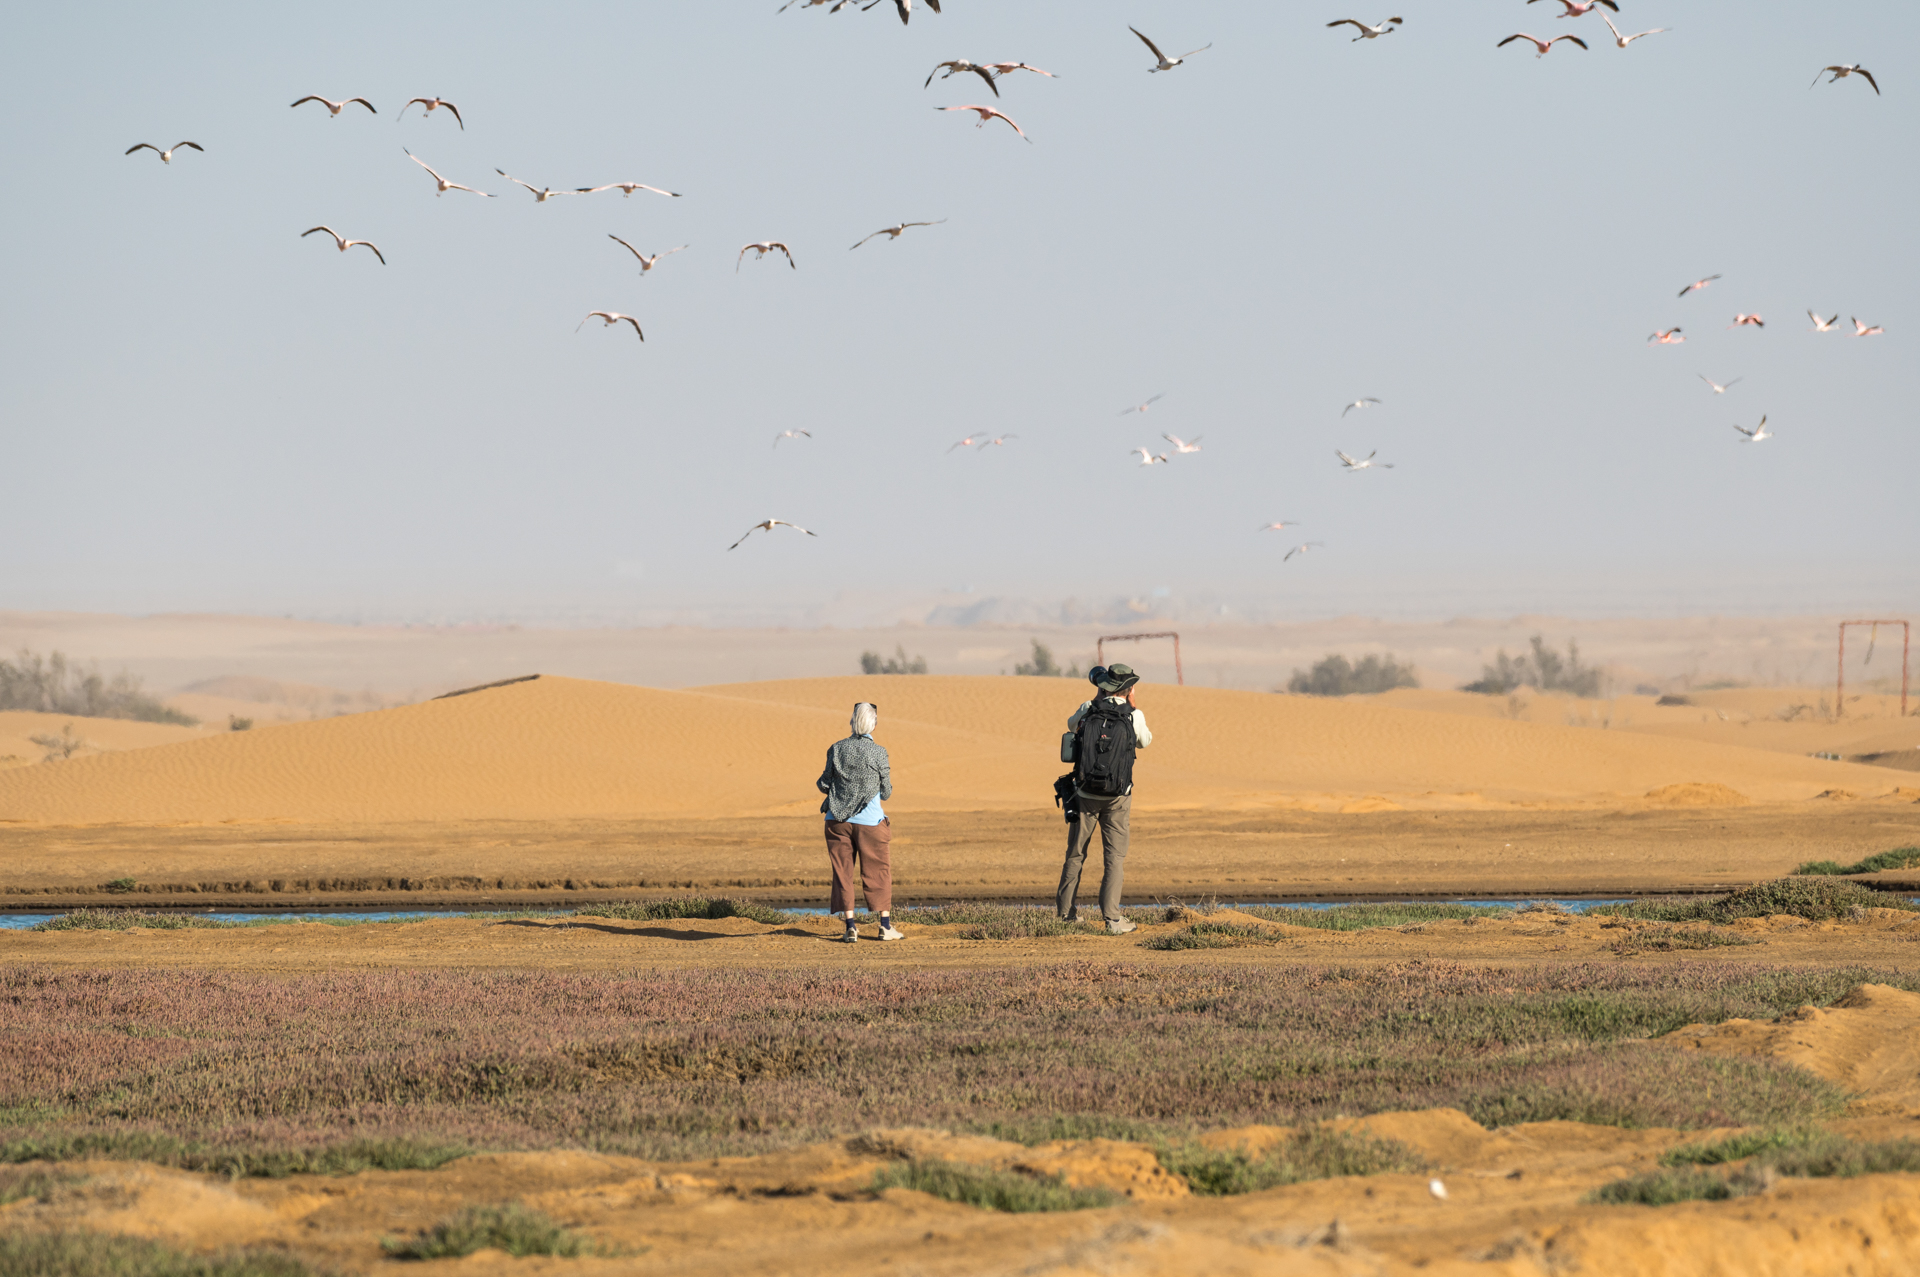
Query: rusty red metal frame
[1840, 676]
[1100, 648]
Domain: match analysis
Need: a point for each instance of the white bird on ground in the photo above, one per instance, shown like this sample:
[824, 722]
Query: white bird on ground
[1183, 446]
[791, 434]
[1007, 68]
[345, 244]
[1624, 40]
[541, 194]
[1842, 72]
[1150, 458]
[960, 66]
[1580, 8]
[334, 108]
[441, 184]
[1142, 407]
[1863, 330]
[166, 156]
[1302, 548]
[1697, 285]
[626, 189]
[1283, 523]
[1756, 434]
[1823, 325]
[646, 263]
[895, 231]
[1434, 1186]
[1538, 43]
[768, 525]
[1744, 320]
[1667, 337]
[432, 105]
[1166, 63]
[1361, 402]
[988, 113]
[1367, 32]
[1364, 463]
[760, 250]
[609, 318]
[1718, 389]
[969, 442]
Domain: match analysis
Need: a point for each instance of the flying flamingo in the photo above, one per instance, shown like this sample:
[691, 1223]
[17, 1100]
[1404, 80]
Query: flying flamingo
[1743, 320]
[1361, 402]
[1718, 389]
[1756, 434]
[1166, 63]
[1667, 337]
[1183, 446]
[1579, 8]
[1842, 72]
[433, 104]
[988, 113]
[1624, 40]
[1367, 32]
[969, 441]
[1284, 523]
[1148, 458]
[791, 434]
[626, 189]
[838, 5]
[1007, 68]
[960, 66]
[334, 108]
[1364, 463]
[768, 525]
[998, 441]
[541, 194]
[1302, 548]
[166, 156]
[1822, 325]
[1142, 407]
[1538, 43]
[441, 184]
[764, 247]
[903, 7]
[646, 263]
[1697, 285]
[1861, 330]
[896, 231]
[609, 318]
[345, 244]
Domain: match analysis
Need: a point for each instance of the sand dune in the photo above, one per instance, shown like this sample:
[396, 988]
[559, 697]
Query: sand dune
[99, 735]
[556, 748]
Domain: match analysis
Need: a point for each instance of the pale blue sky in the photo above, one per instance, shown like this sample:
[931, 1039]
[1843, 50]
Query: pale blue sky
[204, 412]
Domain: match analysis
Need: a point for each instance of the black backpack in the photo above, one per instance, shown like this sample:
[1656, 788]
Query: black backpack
[1104, 767]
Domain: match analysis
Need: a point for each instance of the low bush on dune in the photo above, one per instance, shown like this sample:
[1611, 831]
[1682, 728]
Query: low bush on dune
[1360, 917]
[518, 1230]
[712, 908]
[1313, 1153]
[1803, 1152]
[259, 1161]
[1676, 1184]
[1899, 858]
[1335, 675]
[991, 1189]
[1214, 935]
[1817, 899]
[126, 920]
[34, 1183]
[101, 1255]
[1655, 938]
[49, 685]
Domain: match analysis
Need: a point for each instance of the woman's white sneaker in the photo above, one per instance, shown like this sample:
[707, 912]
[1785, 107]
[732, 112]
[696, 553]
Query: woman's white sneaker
[889, 932]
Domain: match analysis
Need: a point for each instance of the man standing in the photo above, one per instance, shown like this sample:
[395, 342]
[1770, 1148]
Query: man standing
[1107, 730]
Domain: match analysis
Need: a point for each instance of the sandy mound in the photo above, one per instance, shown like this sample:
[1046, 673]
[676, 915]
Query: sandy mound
[1868, 1042]
[1694, 794]
[98, 735]
[558, 748]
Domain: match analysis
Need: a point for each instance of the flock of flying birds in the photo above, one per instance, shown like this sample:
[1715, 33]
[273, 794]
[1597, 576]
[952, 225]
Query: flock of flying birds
[990, 73]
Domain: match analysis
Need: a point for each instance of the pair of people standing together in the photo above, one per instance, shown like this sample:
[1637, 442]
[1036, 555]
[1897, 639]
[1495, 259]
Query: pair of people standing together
[1104, 732]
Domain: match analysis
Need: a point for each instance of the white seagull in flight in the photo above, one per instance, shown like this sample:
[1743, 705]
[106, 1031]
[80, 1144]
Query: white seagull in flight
[760, 250]
[1718, 389]
[1756, 434]
[1302, 548]
[791, 434]
[1366, 32]
[1181, 446]
[609, 318]
[768, 525]
[1823, 325]
[345, 244]
[626, 189]
[433, 104]
[441, 184]
[334, 108]
[1364, 463]
[989, 113]
[646, 263]
[895, 231]
[1624, 40]
[166, 156]
[1166, 63]
[1538, 43]
[1863, 330]
[1361, 402]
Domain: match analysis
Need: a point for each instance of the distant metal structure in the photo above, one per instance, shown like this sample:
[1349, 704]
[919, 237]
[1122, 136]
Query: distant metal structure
[1179, 673]
[1840, 678]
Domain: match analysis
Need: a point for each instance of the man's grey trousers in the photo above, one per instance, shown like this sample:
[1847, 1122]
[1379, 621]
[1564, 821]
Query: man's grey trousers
[1110, 814]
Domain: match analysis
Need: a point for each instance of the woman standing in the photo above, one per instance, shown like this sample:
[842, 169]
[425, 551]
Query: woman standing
[855, 781]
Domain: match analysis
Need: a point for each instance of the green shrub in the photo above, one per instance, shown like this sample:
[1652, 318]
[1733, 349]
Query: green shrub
[18, 1186]
[1658, 939]
[347, 1158]
[1214, 935]
[127, 919]
[1313, 1153]
[1898, 858]
[990, 1189]
[709, 907]
[119, 885]
[49, 685]
[1665, 1187]
[1360, 917]
[1546, 670]
[100, 1255]
[1744, 1144]
[874, 663]
[1043, 665]
[516, 1229]
[1334, 675]
[1817, 899]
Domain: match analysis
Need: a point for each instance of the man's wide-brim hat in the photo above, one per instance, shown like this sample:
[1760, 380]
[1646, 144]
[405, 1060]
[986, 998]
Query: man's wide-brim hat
[1119, 678]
